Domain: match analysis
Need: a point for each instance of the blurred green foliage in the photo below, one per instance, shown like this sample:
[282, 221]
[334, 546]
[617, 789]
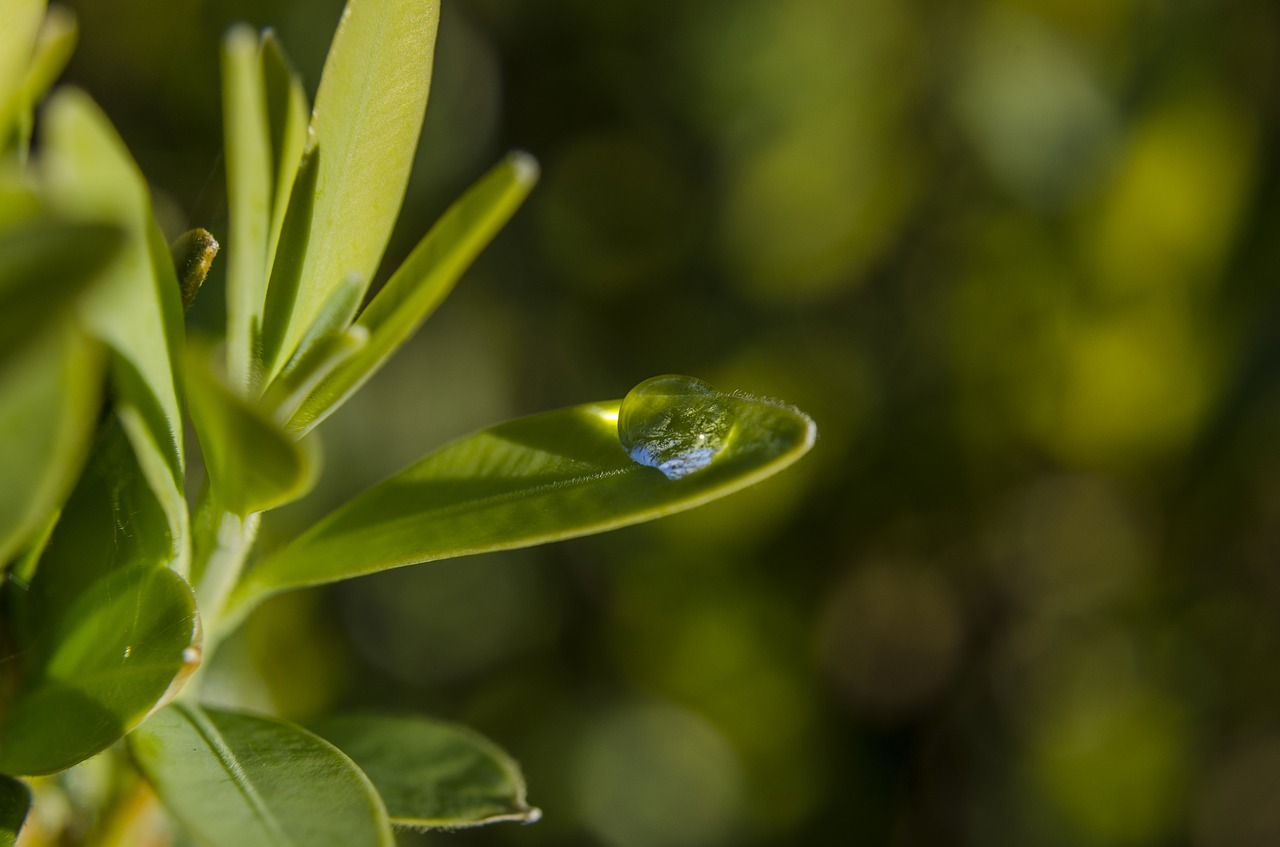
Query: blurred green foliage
[1018, 259]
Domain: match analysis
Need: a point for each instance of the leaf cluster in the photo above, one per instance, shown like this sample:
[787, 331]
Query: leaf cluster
[116, 585]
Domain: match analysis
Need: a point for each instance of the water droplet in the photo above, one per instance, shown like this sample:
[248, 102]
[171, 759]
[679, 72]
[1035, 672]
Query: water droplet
[676, 424]
[128, 651]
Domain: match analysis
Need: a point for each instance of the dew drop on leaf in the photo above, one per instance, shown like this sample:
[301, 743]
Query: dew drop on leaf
[676, 424]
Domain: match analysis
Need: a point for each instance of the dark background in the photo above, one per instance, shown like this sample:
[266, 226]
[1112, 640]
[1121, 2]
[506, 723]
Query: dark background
[1019, 260]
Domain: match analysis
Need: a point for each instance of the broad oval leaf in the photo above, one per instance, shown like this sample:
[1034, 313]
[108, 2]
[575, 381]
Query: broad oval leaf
[234, 779]
[88, 675]
[103, 630]
[547, 477]
[368, 113]
[15, 801]
[433, 774]
[253, 464]
[422, 281]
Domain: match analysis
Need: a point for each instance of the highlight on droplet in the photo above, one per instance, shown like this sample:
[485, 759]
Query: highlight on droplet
[677, 424]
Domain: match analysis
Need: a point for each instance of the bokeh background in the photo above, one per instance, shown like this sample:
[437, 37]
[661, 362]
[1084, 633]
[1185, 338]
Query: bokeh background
[1018, 259]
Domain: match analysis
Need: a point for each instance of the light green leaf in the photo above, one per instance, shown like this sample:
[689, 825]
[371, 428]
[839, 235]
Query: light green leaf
[250, 183]
[253, 464]
[15, 801]
[54, 44]
[433, 774]
[533, 480]
[49, 397]
[17, 40]
[234, 780]
[287, 114]
[136, 308]
[283, 287]
[423, 281]
[368, 113]
[93, 671]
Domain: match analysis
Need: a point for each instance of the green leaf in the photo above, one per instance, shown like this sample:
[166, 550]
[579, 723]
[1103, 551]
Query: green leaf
[234, 779]
[287, 114]
[253, 464]
[103, 631]
[93, 671]
[249, 188]
[54, 44]
[529, 481]
[15, 802]
[17, 40]
[49, 398]
[368, 113]
[433, 774]
[423, 281]
[44, 265]
[136, 308]
[291, 251]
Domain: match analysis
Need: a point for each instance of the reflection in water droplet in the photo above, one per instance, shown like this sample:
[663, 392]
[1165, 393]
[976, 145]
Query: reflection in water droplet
[676, 424]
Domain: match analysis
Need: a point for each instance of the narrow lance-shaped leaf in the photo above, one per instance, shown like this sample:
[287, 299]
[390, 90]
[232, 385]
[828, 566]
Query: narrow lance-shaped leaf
[136, 309]
[547, 477]
[287, 113]
[54, 44]
[234, 779]
[368, 114]
[286, 272]
[423, 280]
[15, 801]
[433, 774]
[17, 39]
[250, 183]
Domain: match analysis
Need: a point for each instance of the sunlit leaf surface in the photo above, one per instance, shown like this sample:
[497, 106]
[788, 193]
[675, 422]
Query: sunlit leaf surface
[532, 480]
[368, 113]
[234, 780]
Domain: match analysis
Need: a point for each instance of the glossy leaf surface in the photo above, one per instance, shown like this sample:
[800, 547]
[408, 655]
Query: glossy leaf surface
[103, 630]
[15, 801]
[532, 480]
[235, 779]
[423, 280]
[433, 774]
[368, 113]
[252, 463]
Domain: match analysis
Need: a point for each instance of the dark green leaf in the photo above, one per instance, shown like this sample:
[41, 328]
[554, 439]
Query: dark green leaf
[368, 114]
[235, 780]
[84, 676]
[103, 631]
[529, 481]
[418, 285]
[15, 801]
[433, 774]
